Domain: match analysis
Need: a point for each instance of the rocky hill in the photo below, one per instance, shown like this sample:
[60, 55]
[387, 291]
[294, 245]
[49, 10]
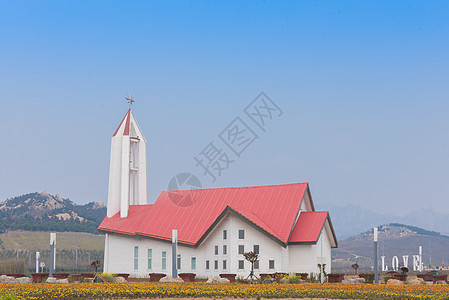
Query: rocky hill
[394, 240]
[350, 220]
[44, 212]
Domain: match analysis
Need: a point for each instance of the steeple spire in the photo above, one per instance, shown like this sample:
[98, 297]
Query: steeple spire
[128, 168]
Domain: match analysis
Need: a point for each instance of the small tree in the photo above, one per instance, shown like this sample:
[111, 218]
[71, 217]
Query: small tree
[252, 257]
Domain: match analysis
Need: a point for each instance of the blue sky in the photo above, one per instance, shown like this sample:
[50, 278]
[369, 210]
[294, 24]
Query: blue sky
[363, 86]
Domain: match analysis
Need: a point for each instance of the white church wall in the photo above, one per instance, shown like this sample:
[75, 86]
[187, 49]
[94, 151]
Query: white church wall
[121, 252]
[307, 257]
[322, 246]
[114, 177]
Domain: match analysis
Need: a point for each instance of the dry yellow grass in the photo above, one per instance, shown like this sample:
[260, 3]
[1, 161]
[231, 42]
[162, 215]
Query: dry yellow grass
[38, 240]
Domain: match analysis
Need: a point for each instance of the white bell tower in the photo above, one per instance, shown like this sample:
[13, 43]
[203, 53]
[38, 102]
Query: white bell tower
[128, 167]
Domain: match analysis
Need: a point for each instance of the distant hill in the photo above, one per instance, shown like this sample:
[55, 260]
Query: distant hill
[350, 220]
[394, 240]
[44, 212]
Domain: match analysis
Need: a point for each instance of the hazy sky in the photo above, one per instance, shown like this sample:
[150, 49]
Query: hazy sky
[363, 86]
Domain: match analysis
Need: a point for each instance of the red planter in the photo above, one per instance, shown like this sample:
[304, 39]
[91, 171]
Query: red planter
[401, 277]
[231, 277]
[279, 276]
[303, 276]
[426, 277]
[187, 277]
[155, 277]
[61, 275]
[39, 277]
[337, 277]
[439, 278]
[15, 275]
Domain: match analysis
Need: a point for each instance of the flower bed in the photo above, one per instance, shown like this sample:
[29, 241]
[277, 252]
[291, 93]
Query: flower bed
[153, 290]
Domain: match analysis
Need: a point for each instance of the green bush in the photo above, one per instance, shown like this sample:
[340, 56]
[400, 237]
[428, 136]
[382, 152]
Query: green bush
[294, 278]
[108, 277]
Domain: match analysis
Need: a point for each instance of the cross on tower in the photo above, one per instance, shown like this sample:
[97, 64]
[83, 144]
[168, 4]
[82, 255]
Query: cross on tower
[130, 100]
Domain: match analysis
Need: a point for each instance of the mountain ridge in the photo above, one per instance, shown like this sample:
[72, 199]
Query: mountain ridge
[45, 212]
[394, 240]
[350, 220]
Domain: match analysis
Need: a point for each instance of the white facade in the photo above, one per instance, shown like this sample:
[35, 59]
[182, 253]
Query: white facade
[128, 168]
[120, 253]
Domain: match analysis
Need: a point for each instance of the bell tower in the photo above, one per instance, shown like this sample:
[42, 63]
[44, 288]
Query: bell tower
[128, 167]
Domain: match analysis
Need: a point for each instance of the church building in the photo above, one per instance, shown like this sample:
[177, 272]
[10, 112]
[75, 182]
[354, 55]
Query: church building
[278, 222]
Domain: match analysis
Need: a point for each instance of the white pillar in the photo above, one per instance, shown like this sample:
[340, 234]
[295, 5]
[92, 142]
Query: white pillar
[106, 254]
[38, 256]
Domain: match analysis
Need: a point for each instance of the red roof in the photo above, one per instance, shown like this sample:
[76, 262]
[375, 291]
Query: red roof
[308, 226]
[272, 209]
[125, 121]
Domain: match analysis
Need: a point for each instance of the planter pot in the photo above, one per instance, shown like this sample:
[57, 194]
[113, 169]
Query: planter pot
[400, 277]
[303, 276]
[426, 277]
[231, 277]
[39, 277]
[155, 277]
[187, 277]
[88, 275]
[439, 278]
[279, 276]
[337, 277]
[61, 275]
[15, 275]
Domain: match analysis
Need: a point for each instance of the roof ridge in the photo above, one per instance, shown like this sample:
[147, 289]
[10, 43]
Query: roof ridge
[240, 187]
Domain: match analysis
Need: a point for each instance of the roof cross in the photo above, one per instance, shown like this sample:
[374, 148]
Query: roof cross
[130, 100]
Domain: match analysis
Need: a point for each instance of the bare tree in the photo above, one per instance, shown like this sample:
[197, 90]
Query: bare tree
[252, 257]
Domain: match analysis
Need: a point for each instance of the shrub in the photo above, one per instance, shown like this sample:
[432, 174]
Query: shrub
[108, 277]
[294, 278]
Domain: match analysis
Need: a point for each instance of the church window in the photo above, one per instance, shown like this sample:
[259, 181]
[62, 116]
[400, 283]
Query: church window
[271, 264]
[241, 234]
[216, 264]
[164, 260]
[225, 234]
[256, 249]
[207, 265]
[224, 264]
[150, 258]
[256, 265]
[136, 257]
[225, 249]
[241, 249]
[216, 250]
[178, 261]
[241, 264]
[193, 263]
